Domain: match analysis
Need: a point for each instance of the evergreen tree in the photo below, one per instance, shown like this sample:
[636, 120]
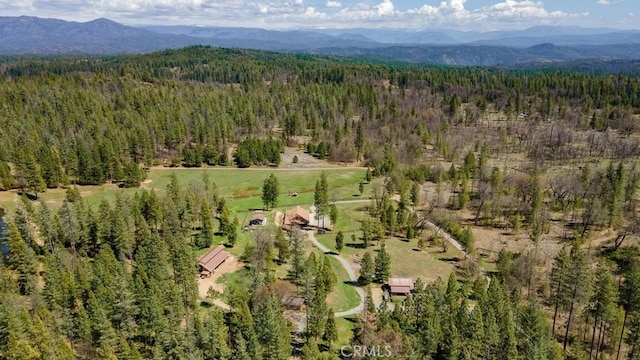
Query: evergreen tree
[382, 266]
[330, 329]
[333, 214]
[603, 306]
[534, 334]
[415, 194]
[30, 174]
[270, 191]
[321, 197]
[272, 330]
[359, 141]
[282, 244]
[339, 241]
[22, 260]
[205, 238]
[367, 272]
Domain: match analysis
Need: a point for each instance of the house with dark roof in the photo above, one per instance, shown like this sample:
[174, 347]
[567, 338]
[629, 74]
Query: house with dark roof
[258, 220]
[212, 260]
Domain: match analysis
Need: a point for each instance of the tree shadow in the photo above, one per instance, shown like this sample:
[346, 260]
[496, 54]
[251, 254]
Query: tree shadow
[351, 283]
[450, 259]
[355, 245]
[29, 196]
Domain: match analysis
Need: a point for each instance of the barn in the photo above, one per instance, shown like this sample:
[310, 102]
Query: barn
[211, 260]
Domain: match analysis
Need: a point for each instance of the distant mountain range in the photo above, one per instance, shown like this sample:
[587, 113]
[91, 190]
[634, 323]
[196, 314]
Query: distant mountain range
[538, 45]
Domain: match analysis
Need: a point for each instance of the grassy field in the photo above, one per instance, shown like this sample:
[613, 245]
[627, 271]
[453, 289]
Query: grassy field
[406, 260]
[344, 295]
[242, 187]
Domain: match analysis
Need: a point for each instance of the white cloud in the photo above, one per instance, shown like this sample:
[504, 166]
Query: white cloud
[603, 2]
[385, 7]
[333, 4]
[296, 14]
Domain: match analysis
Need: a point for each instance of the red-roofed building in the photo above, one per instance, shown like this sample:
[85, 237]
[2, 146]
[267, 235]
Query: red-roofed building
[296, 216]
[211, 260]
[400, 286]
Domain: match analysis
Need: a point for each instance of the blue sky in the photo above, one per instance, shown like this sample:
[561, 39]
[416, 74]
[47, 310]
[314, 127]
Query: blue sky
[475, 15]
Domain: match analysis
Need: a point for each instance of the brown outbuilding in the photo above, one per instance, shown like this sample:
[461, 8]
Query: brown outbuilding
[211, 260]
[400, 286]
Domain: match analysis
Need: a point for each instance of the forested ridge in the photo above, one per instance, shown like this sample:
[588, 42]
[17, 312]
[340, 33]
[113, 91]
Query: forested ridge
[87, 121]
[547, 158]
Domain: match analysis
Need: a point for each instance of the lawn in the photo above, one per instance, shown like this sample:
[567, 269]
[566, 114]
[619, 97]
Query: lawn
[241, 187]
[406, 260]
[345, 327]
[344, 295]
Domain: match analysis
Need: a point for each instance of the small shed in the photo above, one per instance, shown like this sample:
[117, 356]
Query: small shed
[400, 286]
[211, 260]
[258, 220]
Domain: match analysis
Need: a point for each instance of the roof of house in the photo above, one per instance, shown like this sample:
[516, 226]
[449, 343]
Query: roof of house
[296, 212]
[211, 260]
[400, 285]
[260, 217]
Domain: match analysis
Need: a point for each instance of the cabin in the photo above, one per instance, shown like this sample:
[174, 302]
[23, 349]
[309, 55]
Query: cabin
[258, 220]
[296, 216]
[400, 286]
[212, 260]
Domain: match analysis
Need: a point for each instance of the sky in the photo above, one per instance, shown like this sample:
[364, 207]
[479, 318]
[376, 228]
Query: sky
[469, 15]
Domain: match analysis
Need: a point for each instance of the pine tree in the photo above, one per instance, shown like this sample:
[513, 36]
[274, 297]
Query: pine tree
[534, 333]
[30, 175]
[359, 141]
[282, 244]
[297, 254]
[333, 214]
[321, 197]
[604, 306]
[330, 329]
[366, 270]
[509, 342]
[270, 191]
[415, 194]
[382, 266]
[22, 260]
[205, 238]
[339, 241]
[630, 301]
[272, 330]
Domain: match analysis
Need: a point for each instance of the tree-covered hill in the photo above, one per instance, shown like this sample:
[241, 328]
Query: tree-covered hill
[97, 119]
[547, 158]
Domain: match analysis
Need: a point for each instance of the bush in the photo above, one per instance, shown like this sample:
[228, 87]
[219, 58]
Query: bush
[464, 236]
[295, 159]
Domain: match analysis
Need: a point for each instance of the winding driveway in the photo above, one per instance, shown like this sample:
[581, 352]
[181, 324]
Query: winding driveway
[350, 270]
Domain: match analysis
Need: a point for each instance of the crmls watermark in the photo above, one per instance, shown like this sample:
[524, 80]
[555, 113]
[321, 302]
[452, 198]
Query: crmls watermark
[361, 351]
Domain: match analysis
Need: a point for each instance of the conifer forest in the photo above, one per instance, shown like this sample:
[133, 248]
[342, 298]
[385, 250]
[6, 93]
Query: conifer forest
[520, 188]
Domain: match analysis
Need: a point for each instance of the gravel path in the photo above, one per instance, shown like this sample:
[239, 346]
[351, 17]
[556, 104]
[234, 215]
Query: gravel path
[350, 270]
